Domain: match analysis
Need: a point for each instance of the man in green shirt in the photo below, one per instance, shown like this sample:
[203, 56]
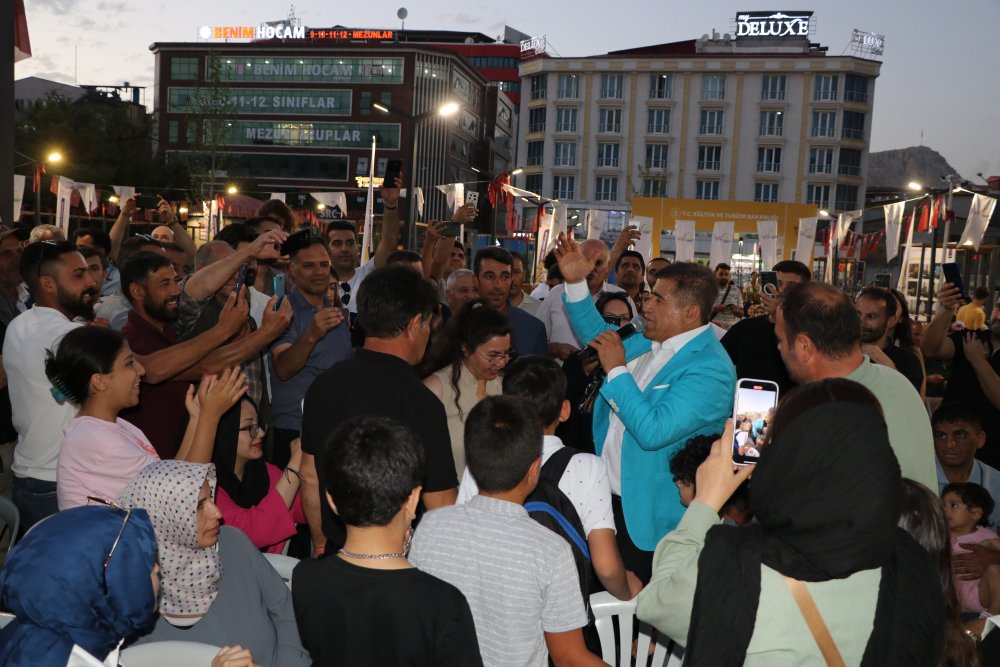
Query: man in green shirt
[819, 336]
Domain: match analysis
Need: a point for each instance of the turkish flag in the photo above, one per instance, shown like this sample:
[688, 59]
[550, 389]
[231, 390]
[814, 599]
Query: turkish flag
[22, 44]
[924, 216]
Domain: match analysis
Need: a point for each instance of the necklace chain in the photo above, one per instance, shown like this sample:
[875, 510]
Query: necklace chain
[401, 554]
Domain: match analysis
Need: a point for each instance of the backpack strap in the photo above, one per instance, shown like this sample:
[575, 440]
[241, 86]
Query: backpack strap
[571, 532]
[556, 465]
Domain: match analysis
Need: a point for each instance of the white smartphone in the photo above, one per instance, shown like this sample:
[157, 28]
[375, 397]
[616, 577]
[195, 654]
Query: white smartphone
[472, 197]
[753, 411]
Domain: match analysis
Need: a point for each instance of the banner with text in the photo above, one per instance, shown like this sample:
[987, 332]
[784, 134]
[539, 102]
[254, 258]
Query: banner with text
[806, 240]
[980, 212]
[684, 231]
[645, 243]
[767, 233]
[893, 220]
[722, 244]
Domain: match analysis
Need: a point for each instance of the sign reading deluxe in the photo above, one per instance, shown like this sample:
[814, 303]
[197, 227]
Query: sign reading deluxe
[772, 24]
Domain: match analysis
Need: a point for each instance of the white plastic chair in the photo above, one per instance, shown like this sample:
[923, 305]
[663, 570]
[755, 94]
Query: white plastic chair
[5, 618]
[168, 654]
[607, 608]
[283, 565]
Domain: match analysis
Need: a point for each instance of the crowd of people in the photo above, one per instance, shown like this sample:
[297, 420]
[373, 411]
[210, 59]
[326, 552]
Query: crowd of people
[459, 463]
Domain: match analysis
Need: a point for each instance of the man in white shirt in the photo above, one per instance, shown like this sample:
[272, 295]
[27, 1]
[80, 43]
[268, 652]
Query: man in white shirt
[63, 289]
[729, 306]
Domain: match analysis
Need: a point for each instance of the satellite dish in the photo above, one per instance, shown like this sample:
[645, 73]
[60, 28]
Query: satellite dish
[402, 13]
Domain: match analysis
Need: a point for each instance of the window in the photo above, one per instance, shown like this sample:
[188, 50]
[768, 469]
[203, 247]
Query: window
[569, 86]
[706, 189]
[769, 159]
[563, 187]
[565, 154]
[533, 183]
[172, 132]
[536, 120]
[654, 187]
[847, 198]
[565, 120]
[773, 87]
[855, 88]
[607, 155]
[658, 121]
[656, 156]
[365, 103]
[711, 121]
[713, 87]
[184, 69]
[606, 189]
[710, 158]
[536, 153]
[610, 120]
[772, 123]
[825, 87]
[820, 160]
[611, 86]
[539, 83]
[818, 195]
[854, 125]
[824, 123]
[850, 162]
[661, 86]
[766, 192]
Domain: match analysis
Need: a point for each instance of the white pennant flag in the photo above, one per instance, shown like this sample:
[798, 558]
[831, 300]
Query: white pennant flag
[454, 193]
[418, 198]
[722, 244]
[767, 232]
[366, 238]
[806, 240]
[645, 243]
[980, 212]
[123, 192]
[280, 196]
[893, 220]
[331, 199]
[88, 195]
[839, 229]
[63, 197]
[18, 198]
[598, 222]
[901, 281]
[684, 235]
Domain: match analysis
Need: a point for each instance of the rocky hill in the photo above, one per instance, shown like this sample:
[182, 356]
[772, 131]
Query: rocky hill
[896, 168]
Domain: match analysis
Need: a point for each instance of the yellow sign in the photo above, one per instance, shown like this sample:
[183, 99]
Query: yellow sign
[665, 212]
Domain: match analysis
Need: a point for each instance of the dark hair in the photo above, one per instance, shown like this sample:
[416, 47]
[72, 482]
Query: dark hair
[458, 244]
[956, 411]
[495, 253]
[792, 266]
[82, 352]
[824, 314]
[371, 465]
[606, 297]
[100, 237]
[236, 234]
[974, 496]
[277, 210]
[539, 380]
[876, 293]
[89, 251]
[403, 257]
[251, 489]
[390, 297]
[723, 265]
[634, 254]
[503, 437]
[684, 463]
[138, 267]
[811, 395]
[341, 226]
[37, 258]
[903, 333]
[694, 284]
[313, 240]
[135, 244]
[982, 293]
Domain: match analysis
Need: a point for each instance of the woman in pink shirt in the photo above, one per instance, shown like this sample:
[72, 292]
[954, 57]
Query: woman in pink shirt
[100, 453]
[254, 495]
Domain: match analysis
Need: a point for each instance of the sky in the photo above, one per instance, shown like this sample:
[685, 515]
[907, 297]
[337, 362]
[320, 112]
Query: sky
[937, 85]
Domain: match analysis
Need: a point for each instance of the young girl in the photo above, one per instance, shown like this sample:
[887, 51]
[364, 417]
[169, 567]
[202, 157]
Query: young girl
[967, 507]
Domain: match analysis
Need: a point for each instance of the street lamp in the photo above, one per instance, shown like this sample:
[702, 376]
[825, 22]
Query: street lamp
[39, 166]
[232, 190]
[443, 111]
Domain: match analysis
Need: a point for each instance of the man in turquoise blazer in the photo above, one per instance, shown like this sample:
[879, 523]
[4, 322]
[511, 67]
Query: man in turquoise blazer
[674, 382]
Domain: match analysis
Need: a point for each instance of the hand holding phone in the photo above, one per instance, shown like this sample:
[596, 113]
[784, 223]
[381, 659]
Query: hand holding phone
[145, 202]
[393, 169]
[472, 197]
[769, 283]
[241, 277]
[953, 275]
[753, 411]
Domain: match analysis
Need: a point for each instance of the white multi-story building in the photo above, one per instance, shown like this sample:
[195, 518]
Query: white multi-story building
[769, 119]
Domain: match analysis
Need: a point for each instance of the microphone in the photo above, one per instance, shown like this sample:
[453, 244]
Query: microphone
[636, 326]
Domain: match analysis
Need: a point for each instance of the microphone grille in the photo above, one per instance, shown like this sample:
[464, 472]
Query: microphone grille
[638, 324]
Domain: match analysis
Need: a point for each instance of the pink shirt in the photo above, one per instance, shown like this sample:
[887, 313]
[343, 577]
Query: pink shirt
[268, 523]
[99, 458]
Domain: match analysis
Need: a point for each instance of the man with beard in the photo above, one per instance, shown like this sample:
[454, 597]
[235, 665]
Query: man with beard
[975, 365]
[493, 267]
[518, 298]
[878, 310]
[317, 338]
[630, 270]
[729, 304]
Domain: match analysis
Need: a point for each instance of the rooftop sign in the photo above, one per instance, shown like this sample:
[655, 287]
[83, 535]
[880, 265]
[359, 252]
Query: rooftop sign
[773, 24]
[263, 31]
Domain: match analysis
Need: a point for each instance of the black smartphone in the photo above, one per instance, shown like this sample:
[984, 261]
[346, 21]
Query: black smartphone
[393, 168]
[146, 202]
[452, 229]
[296, 242]
[241, 277]
[279, 289]
[882, 280]
[753, 411]
[769, 282]
[953, 275]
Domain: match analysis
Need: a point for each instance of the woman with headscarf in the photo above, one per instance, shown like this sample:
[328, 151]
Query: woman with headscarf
[217, 587]
[78, 584]
[826, 495]
[254, 495]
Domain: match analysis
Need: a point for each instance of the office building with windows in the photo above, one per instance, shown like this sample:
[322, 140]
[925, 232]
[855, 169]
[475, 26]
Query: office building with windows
[765, 119]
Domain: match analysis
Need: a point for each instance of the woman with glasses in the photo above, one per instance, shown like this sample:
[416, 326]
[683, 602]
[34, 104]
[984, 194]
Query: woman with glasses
[468, 362]
[100, 452]
[254, 495]
[217, 588]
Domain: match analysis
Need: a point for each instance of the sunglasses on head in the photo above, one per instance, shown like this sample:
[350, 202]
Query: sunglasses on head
[114, 545]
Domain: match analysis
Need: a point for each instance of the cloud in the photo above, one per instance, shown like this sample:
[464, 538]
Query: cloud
[117, 7]
[461, 19]
[56, 6]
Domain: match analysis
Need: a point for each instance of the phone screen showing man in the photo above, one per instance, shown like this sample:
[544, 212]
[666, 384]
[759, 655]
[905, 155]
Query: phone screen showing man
[753, 411]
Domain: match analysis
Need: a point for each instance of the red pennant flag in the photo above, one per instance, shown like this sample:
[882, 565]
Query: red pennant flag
[924, 216]
[22, 41]
[54, 185]
[935, 209]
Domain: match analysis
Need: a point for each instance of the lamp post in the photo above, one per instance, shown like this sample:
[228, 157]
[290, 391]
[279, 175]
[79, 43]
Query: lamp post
[38, 165]
[445, 110]
[952, 180]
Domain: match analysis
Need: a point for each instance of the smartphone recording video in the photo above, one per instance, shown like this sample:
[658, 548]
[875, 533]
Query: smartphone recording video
[753, 411]
[769, 282]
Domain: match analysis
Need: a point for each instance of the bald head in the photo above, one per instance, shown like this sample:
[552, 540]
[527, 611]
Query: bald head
[825, 314]
[596, 250]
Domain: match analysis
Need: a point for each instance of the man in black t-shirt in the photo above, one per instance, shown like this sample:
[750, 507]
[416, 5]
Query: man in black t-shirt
[877, 308]
[395, 304]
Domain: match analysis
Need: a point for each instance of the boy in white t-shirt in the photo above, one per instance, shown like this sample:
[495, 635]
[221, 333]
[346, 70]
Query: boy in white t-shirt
[585, 480]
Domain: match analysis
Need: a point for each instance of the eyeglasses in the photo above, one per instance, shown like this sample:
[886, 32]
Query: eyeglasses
[346, 289]
[615, 320]
[497, 358]
[114, 545]
[255, 430]
[49, 250]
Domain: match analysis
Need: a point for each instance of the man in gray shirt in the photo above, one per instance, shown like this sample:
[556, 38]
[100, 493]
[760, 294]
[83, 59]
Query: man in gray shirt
[518, 576]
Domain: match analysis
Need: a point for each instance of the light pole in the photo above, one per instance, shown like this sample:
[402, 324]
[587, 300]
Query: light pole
[445, 110]
[952, 181]
[39, 166]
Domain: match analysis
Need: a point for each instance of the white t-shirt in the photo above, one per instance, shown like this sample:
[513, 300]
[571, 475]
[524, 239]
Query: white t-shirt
[359, 275]
[585, 483]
